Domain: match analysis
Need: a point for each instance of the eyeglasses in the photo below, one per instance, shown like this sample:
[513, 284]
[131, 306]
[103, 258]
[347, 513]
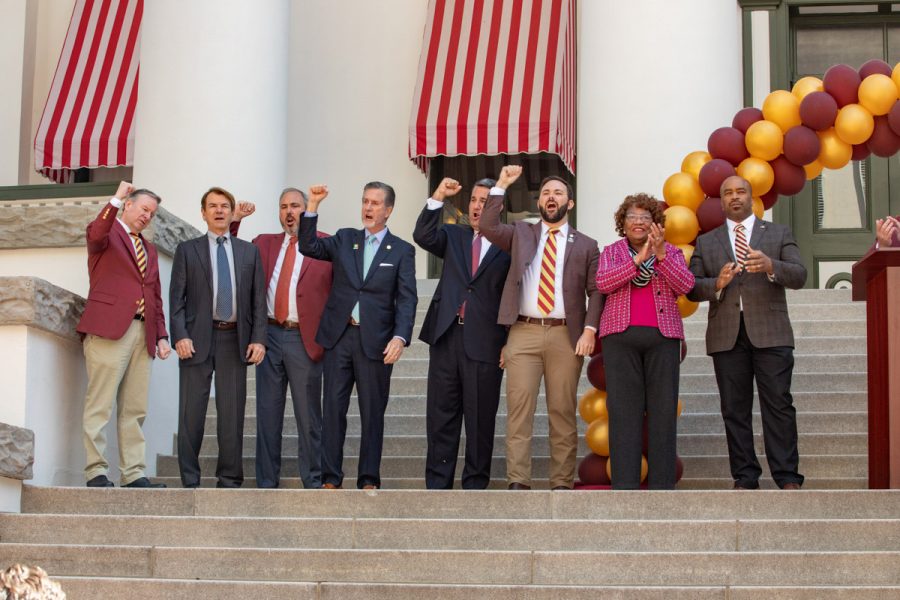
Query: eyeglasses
[631, 218]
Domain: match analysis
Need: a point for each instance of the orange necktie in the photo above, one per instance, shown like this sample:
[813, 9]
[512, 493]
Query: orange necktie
[141, 256]
[282, 290]
[547, 284]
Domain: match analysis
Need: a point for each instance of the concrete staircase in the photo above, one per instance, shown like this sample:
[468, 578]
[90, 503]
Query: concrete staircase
[826, 541]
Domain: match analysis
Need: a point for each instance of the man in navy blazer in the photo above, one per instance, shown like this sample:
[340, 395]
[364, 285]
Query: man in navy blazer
[367, 322]
[464, 373]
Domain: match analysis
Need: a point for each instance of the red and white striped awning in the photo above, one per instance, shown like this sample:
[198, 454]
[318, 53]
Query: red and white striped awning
[88, 120]
[496, 77]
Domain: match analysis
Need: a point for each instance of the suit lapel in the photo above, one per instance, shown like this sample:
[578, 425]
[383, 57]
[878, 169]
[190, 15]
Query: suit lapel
[725, 241]
[274, 248]
[237, 251]
[759, 230]
[119, 232]
[466, 248]
[383, 248]
[201, 247]
[492, 253]
[569, 241]
[359, 248]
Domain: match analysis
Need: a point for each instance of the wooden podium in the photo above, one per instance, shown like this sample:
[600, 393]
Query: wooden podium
[876, 279]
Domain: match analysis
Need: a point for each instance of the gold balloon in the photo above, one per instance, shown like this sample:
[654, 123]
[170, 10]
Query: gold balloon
[694, 161]
[592, 406]
[854, 124]
[682, 225]
[758, 209]
[688, 251]
[679, 409]
[643, 468]
[895, 75]
[686, 307]
[835, 152]
[806, 86]
[759, 173]
[782, 108]
[597, 437]
[813, 169]
[877, 94]
[682, 189]
[765, 140]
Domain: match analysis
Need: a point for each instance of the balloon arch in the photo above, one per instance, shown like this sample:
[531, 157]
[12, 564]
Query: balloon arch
[821, 123]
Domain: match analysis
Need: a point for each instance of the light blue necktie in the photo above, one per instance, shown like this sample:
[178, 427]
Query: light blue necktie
[368, 255]
[223, 291]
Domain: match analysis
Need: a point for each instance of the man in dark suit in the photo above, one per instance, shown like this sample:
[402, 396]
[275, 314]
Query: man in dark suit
[123, 327]
[742, 268]
[217, 297]
[366, 324]
[887, 232]
[461, 327]
[296, 292]
[552, 272]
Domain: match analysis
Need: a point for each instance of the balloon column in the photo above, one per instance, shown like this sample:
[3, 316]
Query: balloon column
[821, 123]
[595, 468]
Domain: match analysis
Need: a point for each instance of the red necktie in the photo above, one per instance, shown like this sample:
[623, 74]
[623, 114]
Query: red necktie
[283, 290]
[741, 248]
[476, 259]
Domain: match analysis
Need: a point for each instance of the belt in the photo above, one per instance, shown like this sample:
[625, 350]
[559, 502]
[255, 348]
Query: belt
[224, 325]
[284, 324]
[140, 318]
[538, 321]
[353, 322]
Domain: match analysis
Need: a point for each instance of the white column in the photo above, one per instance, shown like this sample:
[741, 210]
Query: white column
[212, 104]
[655, 79]
[12, 59]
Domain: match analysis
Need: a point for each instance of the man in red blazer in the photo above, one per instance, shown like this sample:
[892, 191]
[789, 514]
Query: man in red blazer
[295, 300]
[124, 328]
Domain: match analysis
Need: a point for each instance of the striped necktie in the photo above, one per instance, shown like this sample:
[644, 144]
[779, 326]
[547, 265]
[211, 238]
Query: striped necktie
[547, 284]
[741, 248]
[141, 256]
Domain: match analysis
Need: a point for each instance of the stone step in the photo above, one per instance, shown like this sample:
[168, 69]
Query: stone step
[467, 567]
[689, 444]
[440, 504]
[832, 466]
[726, 483]
[787, 535]
[801, 326]
[689, 422]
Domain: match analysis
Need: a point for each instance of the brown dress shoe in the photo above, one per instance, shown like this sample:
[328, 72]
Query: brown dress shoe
[515, 485]
[330, 486]
[791, 486]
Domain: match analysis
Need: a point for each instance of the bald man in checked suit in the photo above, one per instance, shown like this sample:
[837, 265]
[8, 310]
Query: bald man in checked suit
[749, 335]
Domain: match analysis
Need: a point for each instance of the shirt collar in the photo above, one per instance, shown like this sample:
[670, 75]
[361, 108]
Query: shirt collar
[563, 229]
[378, 236]
[748, 223]
[213, 237]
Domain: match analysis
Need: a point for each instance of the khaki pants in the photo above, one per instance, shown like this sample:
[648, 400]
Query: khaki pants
[531, 352]
[118, 371]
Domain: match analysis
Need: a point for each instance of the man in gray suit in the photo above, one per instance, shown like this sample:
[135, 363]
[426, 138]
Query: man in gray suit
[743, 268]
[552, 306]
[217, 299]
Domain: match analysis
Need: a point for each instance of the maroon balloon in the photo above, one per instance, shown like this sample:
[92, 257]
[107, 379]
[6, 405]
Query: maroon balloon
[769, 198]
[683, 350]
[860, 152]
[592, 470]
[801, 145]
[789, 178]
[679, 468]
[894, 117]
[598, 346]
[883, 142]
[818, 111]
[745, 118]
[596, 373]
[663, 205]
[728, 144]
[842, 82]
[710, 215]
[713, 173]
[876, 65]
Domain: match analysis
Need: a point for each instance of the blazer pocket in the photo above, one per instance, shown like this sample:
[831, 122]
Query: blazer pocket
[778, 306]
[103, 297]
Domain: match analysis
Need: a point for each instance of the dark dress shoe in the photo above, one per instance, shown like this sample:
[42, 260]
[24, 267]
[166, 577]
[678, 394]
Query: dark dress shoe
[143, 482]
[560, 487]
[791, 486]
[100, 481]
[738, 486]
[515, 485]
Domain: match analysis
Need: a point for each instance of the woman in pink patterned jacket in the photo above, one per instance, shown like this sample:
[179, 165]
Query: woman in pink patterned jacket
[641, 329]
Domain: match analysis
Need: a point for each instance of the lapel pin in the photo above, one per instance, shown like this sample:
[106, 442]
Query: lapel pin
[388, 246]
[356, 246]
[571, 237]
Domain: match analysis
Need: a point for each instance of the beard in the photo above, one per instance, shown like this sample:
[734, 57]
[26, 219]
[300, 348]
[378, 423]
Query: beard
[556, 216]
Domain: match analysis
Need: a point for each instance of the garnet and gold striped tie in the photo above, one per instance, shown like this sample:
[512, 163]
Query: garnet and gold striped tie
[142, 265]
[547, 284]
[741, 248]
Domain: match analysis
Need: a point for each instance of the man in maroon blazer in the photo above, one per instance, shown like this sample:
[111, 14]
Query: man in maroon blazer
[124, 328]
[887, 232]
[552, 306]
[295, 298]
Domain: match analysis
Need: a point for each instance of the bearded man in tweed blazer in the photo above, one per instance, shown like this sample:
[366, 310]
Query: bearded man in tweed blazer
[742, 268]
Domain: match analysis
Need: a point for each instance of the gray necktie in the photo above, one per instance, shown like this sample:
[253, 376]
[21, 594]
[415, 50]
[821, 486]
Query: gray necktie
[223, 291]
